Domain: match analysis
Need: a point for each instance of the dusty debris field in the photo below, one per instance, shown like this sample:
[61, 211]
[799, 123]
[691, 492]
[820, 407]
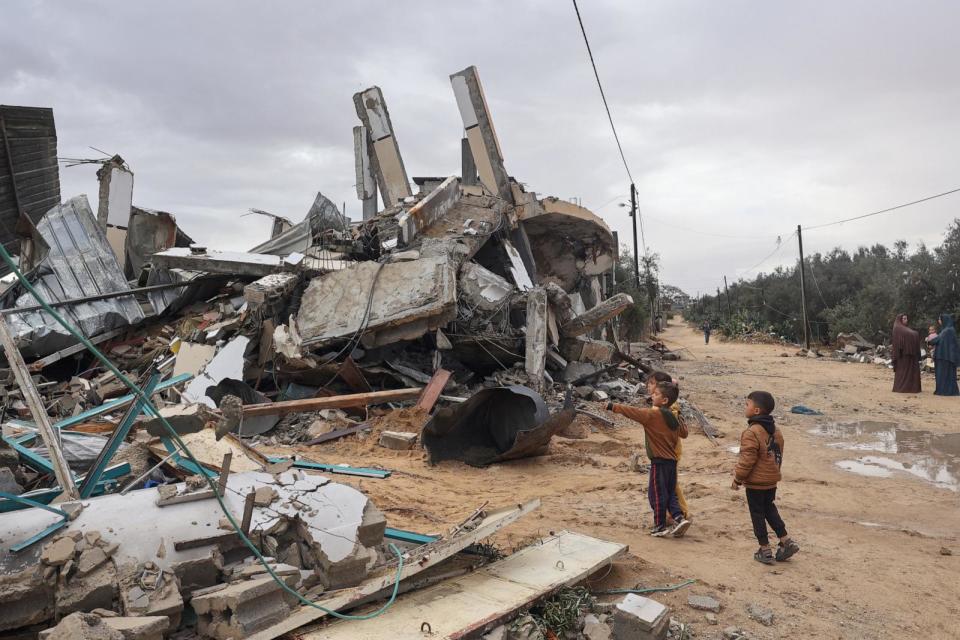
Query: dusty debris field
[872, 563]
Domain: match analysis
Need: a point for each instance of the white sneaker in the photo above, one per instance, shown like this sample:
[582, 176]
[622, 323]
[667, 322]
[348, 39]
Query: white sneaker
[680, 528]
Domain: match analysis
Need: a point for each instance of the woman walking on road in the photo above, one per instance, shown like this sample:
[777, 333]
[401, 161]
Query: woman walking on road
[946, 355]
[906, 357]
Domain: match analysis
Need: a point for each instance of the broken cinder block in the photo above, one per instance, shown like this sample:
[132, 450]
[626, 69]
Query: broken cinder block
[639, 618]
[398, 440]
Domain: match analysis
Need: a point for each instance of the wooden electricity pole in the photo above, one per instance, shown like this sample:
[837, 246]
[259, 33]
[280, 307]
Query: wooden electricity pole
[803, 292]
[726, 292]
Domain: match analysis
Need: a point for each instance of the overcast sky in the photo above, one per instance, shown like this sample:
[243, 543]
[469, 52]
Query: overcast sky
[739, 119]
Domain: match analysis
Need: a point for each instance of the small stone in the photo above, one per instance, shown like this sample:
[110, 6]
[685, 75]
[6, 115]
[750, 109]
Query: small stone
[704, 603]
[57, 553]
[593, 629]
[92, 537]
[712, 618]
[599, 396]
[944, 551]
[760, 614]
[734, 633]
[105, 613]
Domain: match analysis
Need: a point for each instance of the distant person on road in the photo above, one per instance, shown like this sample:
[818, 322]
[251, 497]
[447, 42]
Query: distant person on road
[946, 357]
[758, 468]
[661, 430]
[652, 381]
[906, 357]
[706, 331]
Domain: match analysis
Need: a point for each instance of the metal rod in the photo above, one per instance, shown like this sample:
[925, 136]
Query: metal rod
[143, 475]
[113, 294]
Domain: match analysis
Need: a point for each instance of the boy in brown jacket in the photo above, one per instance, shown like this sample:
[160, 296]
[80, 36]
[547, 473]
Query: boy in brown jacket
[655, 378]
[662, 431]
[758, 468]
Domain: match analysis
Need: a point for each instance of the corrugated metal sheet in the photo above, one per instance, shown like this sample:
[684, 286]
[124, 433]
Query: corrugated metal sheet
[80, 263]
[29, 175]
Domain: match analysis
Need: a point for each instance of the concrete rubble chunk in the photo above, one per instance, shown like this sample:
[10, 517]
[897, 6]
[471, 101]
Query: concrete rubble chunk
[8, 483]
[58, 552]
[761, 614]
[640, 618]
[89, 560]
[97, 589]
[240, 609]
[264, 496]
[184, 418]
[139, 627]
[594, 629]
[483, 288]
[27, 598]
[596, 316]
[398, 440]
[82, 626]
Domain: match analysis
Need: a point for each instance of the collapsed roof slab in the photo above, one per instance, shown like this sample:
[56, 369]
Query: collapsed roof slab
[386, 160]
[568, 243]
[386, 302]
[236, 263]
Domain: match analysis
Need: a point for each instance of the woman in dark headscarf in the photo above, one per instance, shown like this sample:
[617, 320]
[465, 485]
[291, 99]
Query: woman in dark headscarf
[906, 357]
[946, 355]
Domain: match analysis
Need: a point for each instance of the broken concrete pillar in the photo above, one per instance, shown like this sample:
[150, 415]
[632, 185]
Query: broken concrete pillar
[366, 182]
[468, 168]
[484, 144]
[535, 360]
[116, 202]
[560, 302]
[240, 609]
[596, 316]
[429, 210]
[639, 618]
[386, 161]
[270, 288]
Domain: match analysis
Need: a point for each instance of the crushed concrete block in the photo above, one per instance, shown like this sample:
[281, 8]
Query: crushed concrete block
[575, 370]
[583, 391]
[139, 627]
[372, 527]
[599, 396]
[398, 440]
[164, 601]
[27, 599]
[594, 629]
[199, 573]
[58, 552]
[704, 603]
[82, 626]
[184, 418]
[97, 590]
[240, 609]
[639, 618]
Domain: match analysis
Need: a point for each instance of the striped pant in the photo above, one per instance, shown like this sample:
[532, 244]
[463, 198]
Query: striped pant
[662, 491]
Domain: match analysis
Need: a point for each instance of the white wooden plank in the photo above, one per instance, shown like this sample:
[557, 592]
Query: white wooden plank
[477, 602]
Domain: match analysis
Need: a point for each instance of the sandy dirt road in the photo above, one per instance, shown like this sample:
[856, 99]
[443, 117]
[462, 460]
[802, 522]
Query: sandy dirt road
[871, 564]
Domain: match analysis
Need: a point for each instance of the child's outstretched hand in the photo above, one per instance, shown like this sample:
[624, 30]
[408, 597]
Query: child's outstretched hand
[735, 485]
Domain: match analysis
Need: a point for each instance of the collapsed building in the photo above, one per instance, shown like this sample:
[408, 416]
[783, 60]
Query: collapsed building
[465, 302]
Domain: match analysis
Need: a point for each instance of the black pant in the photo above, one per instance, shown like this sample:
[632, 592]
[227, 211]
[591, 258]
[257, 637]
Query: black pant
[762, 511]
[662, 491]
[706, 337]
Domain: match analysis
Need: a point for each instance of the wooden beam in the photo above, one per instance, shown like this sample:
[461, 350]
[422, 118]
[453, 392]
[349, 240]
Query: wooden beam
[431, 392]
[333, 402]
[32, 397]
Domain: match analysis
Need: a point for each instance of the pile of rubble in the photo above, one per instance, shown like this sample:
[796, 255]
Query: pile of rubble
[853, 347]
[466, 318]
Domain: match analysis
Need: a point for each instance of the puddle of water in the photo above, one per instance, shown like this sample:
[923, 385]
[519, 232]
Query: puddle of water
[932, 457]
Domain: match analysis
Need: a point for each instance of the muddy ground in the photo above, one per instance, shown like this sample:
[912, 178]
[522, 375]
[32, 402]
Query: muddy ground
[871, 564]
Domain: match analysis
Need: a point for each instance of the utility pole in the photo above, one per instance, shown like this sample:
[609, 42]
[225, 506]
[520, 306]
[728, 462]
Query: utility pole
[719, 310]
[803, 292]
[633, 214]
[726, 292]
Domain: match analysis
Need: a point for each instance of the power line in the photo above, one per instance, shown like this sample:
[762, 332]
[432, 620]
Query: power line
[876, 213]
[602, 94]
[705, 233]
[772, 253]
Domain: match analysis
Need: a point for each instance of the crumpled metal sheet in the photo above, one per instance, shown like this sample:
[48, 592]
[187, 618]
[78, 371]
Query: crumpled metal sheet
[80, 263]
[494, 425]
[79, 449]
[323, 215]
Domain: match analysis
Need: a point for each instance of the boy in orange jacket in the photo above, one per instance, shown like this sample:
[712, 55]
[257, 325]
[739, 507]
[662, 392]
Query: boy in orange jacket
[758, 468]
[662, 430]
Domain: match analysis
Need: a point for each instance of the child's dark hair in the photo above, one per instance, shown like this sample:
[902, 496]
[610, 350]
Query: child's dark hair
[763, 400]
[660, 376]
[669, 391]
